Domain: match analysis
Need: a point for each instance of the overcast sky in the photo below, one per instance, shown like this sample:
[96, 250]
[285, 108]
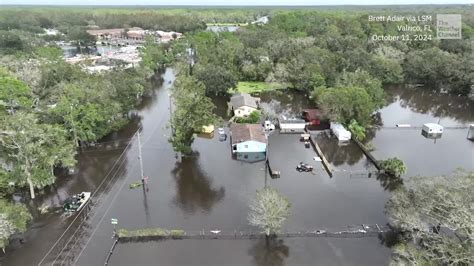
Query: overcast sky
[230, 2]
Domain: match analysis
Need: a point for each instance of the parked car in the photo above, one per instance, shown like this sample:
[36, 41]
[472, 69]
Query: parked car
[303, 167]
[222, 137]
[221, 131]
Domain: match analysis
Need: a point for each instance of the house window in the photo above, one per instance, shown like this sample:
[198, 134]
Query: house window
[234, 147]
[246, 156]
[246, 146]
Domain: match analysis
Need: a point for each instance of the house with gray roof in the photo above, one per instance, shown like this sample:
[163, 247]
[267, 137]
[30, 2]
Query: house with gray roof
[242, 104]
[248, 141]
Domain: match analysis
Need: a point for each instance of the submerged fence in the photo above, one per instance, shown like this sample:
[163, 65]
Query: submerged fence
[358, 231]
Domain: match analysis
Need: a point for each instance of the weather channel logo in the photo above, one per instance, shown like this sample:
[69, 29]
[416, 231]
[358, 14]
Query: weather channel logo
[448, 26]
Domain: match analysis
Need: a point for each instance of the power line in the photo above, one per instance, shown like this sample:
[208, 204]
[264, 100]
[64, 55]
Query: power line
[82, 210]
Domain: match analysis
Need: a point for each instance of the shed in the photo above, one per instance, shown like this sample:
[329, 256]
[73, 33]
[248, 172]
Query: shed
[433, 128]
[291, 125]
[340, 132]
[312, 116]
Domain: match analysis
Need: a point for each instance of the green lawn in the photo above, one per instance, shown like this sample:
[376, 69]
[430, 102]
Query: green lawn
[257, 86]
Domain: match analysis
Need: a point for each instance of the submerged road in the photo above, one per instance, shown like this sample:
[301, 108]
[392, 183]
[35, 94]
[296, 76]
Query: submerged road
[210, 190]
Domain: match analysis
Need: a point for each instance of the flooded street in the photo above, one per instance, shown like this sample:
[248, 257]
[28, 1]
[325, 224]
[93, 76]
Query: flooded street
[211, 191]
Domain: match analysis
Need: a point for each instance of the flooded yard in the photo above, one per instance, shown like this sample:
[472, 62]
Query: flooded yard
[320, 251]
[210, 190]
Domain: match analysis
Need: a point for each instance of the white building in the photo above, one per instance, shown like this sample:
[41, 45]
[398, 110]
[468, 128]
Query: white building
[248, 141]
[340, 132]
[431, 130]
[292, 125]
[243, 104]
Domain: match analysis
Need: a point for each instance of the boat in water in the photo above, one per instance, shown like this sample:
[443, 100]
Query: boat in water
[76, 202]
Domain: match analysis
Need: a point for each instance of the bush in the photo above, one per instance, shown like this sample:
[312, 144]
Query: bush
[393, 167]
[253, 118]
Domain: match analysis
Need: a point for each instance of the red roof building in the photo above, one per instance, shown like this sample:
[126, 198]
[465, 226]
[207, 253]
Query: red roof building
[313, 116]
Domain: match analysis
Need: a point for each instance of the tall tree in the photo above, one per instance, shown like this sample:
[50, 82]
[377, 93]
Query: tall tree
[216, 79]
[35, 150]
[344, 104]
[363, 79]
[192, 111]
[269, 210]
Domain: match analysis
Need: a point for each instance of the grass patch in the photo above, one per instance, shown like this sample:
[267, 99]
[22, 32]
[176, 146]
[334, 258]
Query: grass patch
[124, 233]
[135, 185]
[257, 86]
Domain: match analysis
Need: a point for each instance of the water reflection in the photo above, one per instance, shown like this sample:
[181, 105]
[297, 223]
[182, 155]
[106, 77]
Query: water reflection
[269, 251]
[427, 101]
[288, 103]
[389, 183]
[338, 154]
[193, 187]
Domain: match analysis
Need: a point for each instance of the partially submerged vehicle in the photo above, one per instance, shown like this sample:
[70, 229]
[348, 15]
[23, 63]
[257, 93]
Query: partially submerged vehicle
[304, 167]
[76, 202]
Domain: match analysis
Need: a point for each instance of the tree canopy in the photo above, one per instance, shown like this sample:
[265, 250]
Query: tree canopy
[269, 210]
[435, 217]
[191, 111]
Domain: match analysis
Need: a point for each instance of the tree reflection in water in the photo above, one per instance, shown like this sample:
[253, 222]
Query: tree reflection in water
[269, 251]
[193, 188]
[338, 154]
[424, 100]
[388, 182]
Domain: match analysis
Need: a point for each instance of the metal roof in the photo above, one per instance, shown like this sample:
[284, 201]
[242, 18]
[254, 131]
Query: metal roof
[246, 132]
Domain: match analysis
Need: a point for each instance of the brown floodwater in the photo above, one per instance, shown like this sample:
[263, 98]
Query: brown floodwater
[211, 191]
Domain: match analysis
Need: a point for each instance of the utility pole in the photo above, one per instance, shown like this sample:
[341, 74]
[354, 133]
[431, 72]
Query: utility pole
[140, 158]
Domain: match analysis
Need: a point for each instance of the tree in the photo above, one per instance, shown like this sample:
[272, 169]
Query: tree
[35, 150]
[269, 210]
[344, 104]
[13, 219]
[362, 79]
[253, 118]
[51, 53]
[393, 167]
[155, 57]
[10, 43]
[357, 131]
[434, 214]
[14, 94]
[216, 79]
[81, 37]
[192, 111]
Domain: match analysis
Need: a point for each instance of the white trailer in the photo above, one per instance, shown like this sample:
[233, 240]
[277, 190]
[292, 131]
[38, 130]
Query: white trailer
[340, 132]
[432, 130]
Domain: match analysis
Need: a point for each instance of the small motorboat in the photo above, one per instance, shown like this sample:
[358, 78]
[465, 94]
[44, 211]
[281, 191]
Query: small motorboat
[303, 167]
[76, 202]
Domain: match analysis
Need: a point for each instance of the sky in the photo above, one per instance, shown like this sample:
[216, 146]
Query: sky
[230, 2]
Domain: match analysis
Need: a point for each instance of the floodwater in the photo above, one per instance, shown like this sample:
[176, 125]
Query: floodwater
[425, 156]
[211, 191]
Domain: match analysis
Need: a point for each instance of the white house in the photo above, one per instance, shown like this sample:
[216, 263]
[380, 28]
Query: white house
[248, 141]
[243, 104]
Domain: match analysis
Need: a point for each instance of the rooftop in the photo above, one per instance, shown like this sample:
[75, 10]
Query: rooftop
[246, 132]
[243, 99]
